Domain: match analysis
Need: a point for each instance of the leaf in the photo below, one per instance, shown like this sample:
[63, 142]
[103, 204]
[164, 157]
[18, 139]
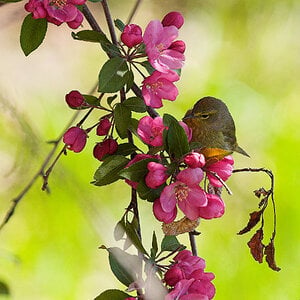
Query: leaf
[256, 246]
[90, 36]
[270, 256]
[126, 149]
[254, 219]
[148, 67]
[33, 32]
[4, 289]
[113, 75]
[91, 100]
[132, 234]
[119, 24]
[110, 99]
[147, 193]
[129, 80]
[112, 294]
[154, 248]
[175, 138]
[108, 172]
[135, 104]
[119, 230]
[136, 171]
[170, 243]
[124, 266]
[122, 116]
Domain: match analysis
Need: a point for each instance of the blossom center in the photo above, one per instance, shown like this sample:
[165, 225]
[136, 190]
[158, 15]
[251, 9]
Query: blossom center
[160, 47]
[58, 3]
[181, 191]
[154, 86]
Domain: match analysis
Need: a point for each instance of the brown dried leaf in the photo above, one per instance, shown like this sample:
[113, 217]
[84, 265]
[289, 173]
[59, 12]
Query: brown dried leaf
[179, 227]
[260, 191]
[254, 219]
[256, 246]
[270, 256]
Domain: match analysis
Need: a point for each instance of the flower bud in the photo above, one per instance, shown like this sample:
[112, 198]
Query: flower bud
[108, 146]
[195, 160]
[156, 176]
[173, 275]
[75, 139]
[103, 127]
[178, 46]
[75, 99]
[173, 18]
[131, 35]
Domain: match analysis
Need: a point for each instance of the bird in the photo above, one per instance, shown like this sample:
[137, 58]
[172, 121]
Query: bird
[213, 129]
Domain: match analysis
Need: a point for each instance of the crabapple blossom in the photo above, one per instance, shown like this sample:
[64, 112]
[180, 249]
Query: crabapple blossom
[75, 100]
[184, 192]
[151, 130]
[157, 40]
[103, 127]
[194, 160]
[173, 18]
[214, 209]
[178, 46]
[156, 176]
[75, 139]
[132, 35]
[222, 168]
[161, 215]
[159, 86]
[108, 146]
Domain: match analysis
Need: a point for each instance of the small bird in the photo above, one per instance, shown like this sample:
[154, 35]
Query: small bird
[213, 128]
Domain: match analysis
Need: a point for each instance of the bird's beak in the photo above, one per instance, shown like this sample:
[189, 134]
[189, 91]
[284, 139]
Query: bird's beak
[188, 115]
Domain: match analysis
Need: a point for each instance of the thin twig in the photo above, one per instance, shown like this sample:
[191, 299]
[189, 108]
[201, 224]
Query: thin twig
[90, 18]
[110, 22]
[133, 11]
[221, 180]
[193, 243]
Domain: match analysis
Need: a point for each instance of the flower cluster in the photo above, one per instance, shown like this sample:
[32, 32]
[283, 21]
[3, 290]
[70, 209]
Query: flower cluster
[165, 54]
[187, 278]
[57, 11]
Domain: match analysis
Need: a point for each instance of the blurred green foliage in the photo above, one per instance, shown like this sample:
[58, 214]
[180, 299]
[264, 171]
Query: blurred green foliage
[244, 52]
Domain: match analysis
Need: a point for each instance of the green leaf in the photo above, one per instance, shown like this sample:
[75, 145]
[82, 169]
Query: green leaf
[119, 230]
[124, 266]
[112, 294]
[90, 36]
[108, 172]
[33, 32]
[147, 193]
[91, 100]
[129, 80]
[175, 138]
[154, 248]
[119, 24]
[113, 75]
[135, 104]
[148, 67]
[134, 238]
[122, 116]
[136, 171]
[170, 243]
[126, 149]
[4, 289]
[110, 99]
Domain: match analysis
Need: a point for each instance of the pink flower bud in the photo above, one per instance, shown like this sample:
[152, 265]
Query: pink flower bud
[195, 160]
[103, 127]
[173, 18]
[156, 176]
[108, 146]
[75, 99]
[173, 275]
[178, 46]
[75, 139]
[131, 35]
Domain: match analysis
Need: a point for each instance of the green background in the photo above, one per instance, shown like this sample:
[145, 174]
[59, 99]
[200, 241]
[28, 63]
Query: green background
[244, 52]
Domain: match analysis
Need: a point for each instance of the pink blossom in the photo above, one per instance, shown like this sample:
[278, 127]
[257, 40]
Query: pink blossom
[132, 35]
[103, 127]
[173, 18]
[187, 130]
[108, 146]
[158, 40]
[195, 160]
[75, 139]
[159, 86]
[186, 193]
[161, 215]
[151, 130]
[214, 209]
[137, 158]
[74, 24]
[156, 176]
[222, 168]
[75, 100]
[178, 46]
[181, 288]
[37, 8]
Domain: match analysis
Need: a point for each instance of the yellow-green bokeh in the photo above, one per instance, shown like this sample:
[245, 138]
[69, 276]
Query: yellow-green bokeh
[244, 52]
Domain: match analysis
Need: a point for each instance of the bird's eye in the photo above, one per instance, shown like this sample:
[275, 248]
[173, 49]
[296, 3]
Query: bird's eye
[204, 116]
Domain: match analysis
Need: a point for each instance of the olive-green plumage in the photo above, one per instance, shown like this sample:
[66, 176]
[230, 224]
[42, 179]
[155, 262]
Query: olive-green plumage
[212, 125]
